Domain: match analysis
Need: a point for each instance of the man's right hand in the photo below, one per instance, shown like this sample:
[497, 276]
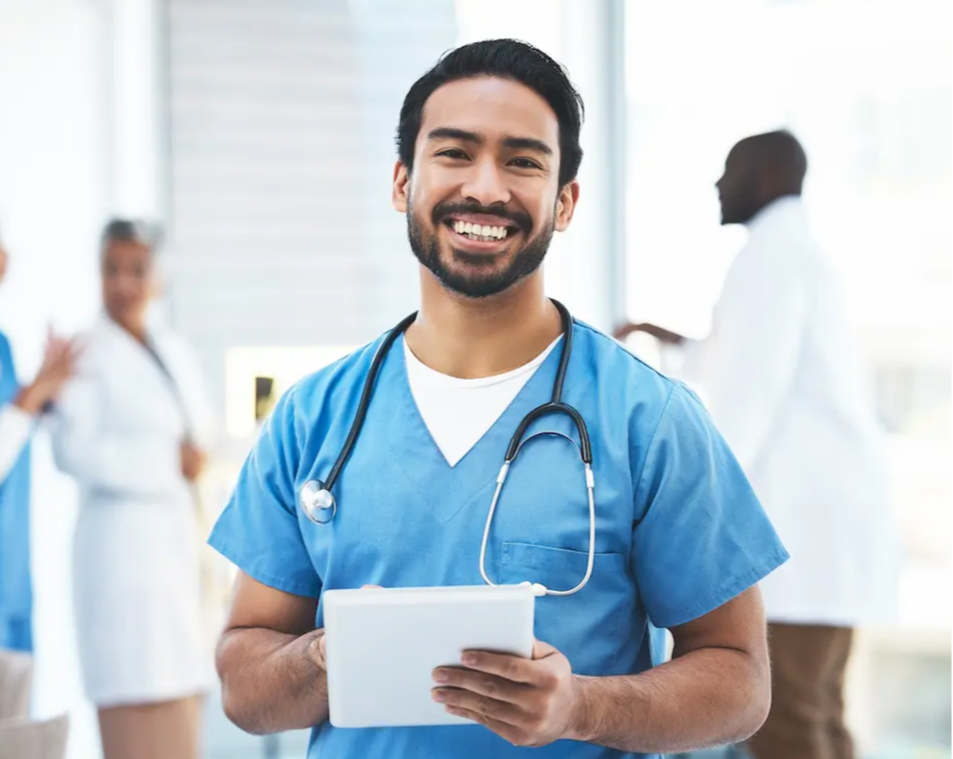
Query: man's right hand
[59, 362]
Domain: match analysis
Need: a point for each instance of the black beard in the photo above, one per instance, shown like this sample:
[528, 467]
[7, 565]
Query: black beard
[524, 262]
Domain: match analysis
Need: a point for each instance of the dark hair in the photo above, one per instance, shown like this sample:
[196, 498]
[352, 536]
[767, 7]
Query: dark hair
[506, 59]
[131, 230]
[782, 152]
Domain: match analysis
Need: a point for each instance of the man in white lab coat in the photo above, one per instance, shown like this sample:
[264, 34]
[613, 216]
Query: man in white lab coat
[780, 377]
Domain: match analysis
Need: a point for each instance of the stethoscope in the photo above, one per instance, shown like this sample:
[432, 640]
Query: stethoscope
[321, 507]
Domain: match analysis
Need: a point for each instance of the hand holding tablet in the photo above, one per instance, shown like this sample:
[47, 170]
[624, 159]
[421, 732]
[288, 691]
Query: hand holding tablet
[385, 646]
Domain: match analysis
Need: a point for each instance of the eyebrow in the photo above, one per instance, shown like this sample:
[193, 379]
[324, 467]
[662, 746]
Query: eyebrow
[513, 143]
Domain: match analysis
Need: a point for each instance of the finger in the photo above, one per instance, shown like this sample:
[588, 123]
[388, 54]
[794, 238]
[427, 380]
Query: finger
[372, 587]
[490, 708]
[482, 684]
[513, 668]
[507, 732]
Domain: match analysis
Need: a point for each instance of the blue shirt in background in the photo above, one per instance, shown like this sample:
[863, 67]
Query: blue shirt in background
[16, 590]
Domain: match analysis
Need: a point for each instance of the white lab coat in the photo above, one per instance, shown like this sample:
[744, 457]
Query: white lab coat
[781, 379]
[118, 430]
[15, 428]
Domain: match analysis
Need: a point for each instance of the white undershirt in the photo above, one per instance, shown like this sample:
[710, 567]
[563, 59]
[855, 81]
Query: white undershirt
[458, 412]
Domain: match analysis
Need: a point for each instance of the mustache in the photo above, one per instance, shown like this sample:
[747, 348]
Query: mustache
[517, 218]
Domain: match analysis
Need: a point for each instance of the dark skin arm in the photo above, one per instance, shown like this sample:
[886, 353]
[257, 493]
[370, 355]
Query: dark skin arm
[715, 690]
[659, 333]
[271, 660]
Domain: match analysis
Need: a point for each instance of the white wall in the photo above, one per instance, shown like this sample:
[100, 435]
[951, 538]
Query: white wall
[80, 139]
[282, 122]
[53, 189]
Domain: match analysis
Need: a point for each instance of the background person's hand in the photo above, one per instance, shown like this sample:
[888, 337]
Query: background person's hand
[59, 362]
[622, 331]
[528, 702]
[193, 461]
[659, 333]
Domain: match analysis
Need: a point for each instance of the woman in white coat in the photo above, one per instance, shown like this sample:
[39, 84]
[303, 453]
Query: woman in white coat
[131, 429]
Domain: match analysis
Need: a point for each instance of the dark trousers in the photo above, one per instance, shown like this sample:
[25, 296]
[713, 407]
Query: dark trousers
[808, 663]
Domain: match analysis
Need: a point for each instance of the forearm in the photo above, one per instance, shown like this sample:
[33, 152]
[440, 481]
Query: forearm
[707, 697]
[272, 681]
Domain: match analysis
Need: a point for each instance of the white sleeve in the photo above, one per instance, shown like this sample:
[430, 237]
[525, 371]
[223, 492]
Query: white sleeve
[752, 354]
[16, 426]
[692, 355]
[105, 456]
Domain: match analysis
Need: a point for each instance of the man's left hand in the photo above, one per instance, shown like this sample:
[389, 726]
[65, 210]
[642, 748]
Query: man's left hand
[528, 702]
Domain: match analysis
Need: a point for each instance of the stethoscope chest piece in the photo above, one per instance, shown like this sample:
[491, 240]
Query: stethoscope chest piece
[317, 502]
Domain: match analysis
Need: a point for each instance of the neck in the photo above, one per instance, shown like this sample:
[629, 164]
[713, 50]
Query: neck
[135, 327]
[482, 337]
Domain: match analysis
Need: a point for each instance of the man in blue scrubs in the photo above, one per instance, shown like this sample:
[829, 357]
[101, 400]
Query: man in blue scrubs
[488, 144]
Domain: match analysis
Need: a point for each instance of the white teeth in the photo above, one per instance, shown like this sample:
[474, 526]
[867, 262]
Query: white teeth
[479, 231]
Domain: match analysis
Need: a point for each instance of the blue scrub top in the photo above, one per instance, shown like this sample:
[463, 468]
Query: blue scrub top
[678, 529]
[16, 592]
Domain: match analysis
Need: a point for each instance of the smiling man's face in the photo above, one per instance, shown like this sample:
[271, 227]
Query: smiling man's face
[483, 199]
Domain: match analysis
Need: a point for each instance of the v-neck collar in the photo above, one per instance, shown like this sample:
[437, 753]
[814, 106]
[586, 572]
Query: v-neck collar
[481, 464]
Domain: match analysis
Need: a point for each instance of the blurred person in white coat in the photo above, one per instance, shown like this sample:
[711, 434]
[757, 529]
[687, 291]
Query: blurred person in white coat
[131, 428]
[781, 378]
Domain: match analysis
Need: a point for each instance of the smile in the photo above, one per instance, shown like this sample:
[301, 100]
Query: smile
[481, 232]
[490, 235]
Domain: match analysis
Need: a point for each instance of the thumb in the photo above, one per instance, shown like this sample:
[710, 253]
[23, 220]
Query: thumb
[541, 650]
[372, 587]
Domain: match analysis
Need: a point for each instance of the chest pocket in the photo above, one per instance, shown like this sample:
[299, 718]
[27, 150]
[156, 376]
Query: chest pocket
[575, 623]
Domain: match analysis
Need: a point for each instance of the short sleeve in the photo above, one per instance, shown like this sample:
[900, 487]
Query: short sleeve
[258, 531]
[704, 537]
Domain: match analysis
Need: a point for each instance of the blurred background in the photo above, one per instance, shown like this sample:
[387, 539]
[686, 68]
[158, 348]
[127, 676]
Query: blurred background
[260, 132]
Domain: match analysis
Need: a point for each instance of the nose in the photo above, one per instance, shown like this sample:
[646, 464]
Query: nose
[486, 184]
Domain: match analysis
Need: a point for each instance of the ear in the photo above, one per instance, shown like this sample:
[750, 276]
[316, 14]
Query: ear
[400, 193]
[566, 205]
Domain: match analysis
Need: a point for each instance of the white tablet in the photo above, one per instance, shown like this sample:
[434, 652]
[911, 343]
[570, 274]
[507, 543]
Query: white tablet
[383, 645]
